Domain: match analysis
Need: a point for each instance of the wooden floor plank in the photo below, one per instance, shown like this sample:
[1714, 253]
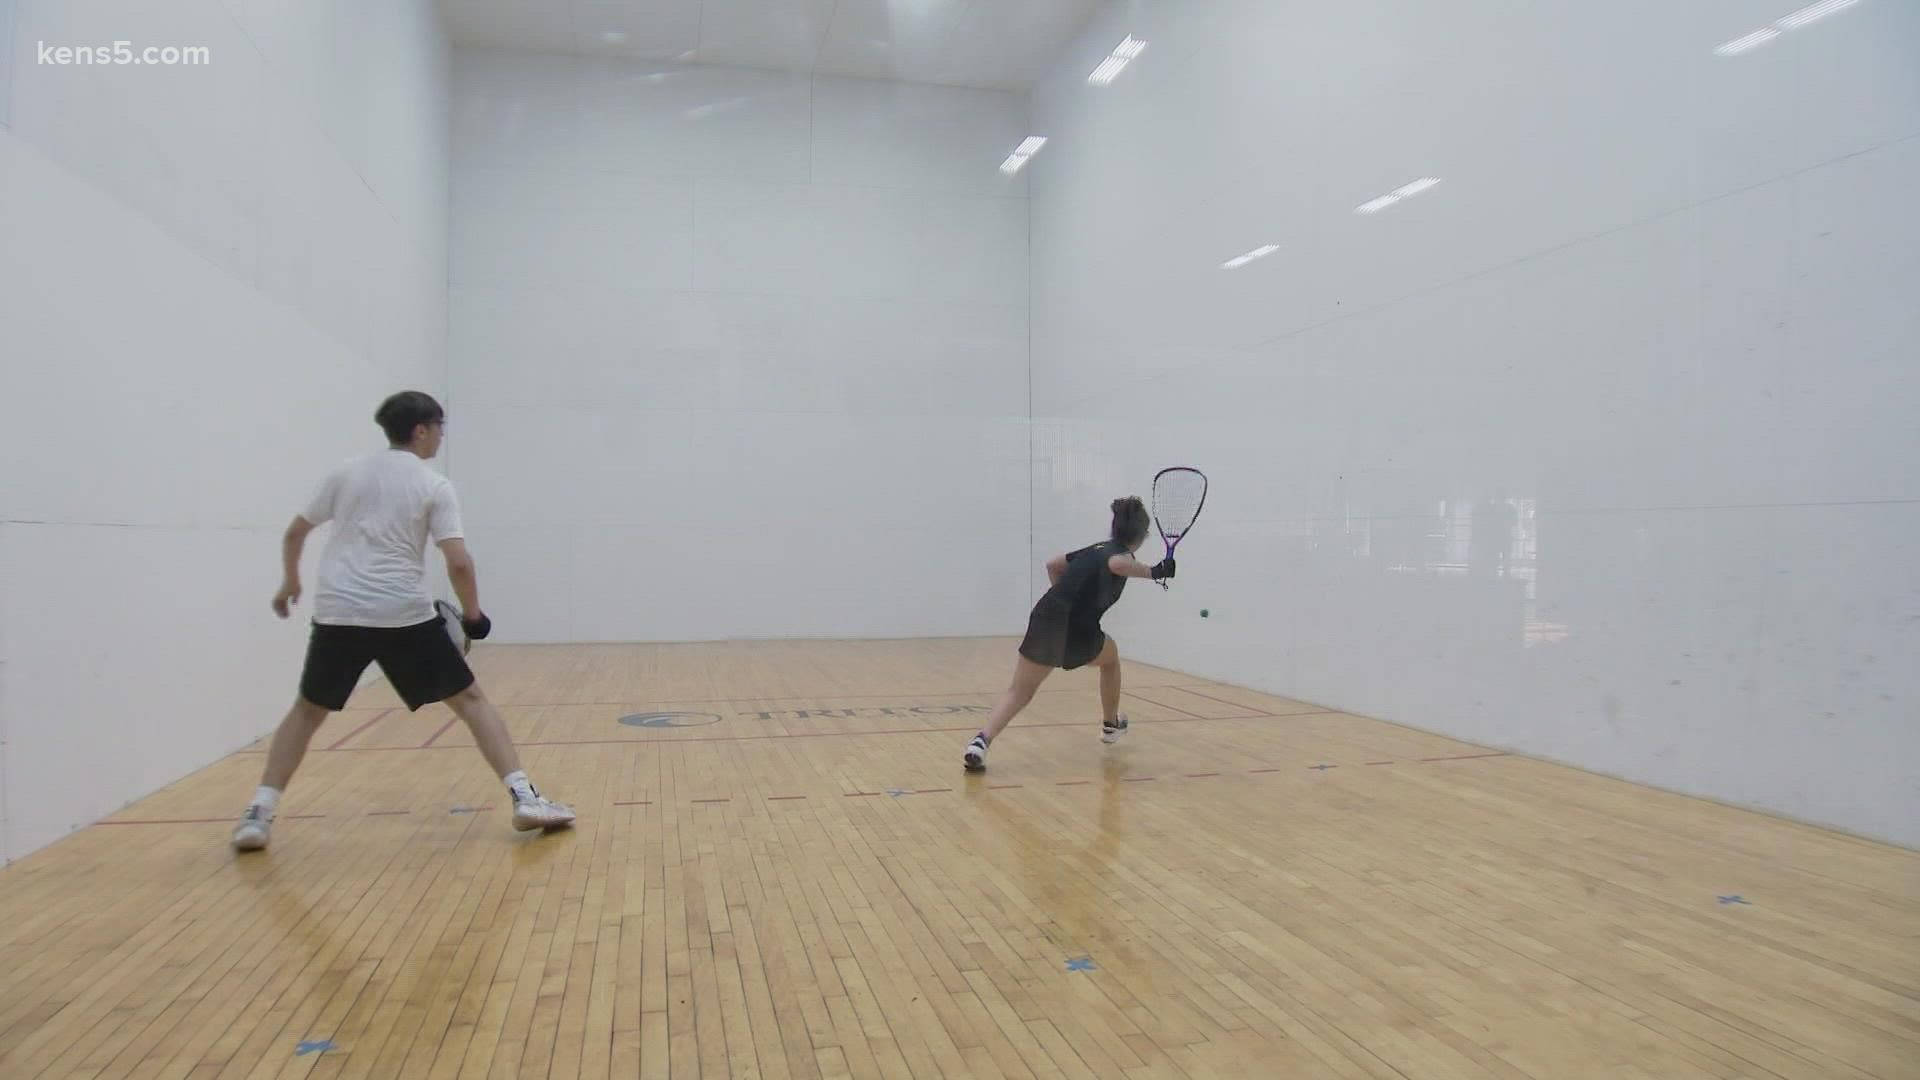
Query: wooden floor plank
[785, 874]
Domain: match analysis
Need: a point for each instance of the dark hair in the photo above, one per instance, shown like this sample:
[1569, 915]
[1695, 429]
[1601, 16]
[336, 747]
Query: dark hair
[405, 411]
[1130, 520]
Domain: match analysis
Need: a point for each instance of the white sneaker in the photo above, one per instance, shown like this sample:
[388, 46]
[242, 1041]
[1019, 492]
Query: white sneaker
[541, 812]
[1111, 732]
[975, 758]
[251, 833]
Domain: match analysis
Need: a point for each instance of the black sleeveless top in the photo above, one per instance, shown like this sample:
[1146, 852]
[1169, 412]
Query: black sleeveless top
[1088, 588]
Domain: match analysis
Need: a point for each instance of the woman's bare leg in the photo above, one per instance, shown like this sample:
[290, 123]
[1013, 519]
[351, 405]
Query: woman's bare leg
[1027, 677]
[1109, 664]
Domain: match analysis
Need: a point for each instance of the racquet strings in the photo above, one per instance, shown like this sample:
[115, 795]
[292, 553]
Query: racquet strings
[1177, 495]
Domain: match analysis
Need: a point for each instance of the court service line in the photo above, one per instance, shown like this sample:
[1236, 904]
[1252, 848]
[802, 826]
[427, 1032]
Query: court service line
[349, 736]
[1162, 704]
[200, 820]
[1071, 781]
[1236, 704]
[431, 739]
[430, 743]
[994, 693]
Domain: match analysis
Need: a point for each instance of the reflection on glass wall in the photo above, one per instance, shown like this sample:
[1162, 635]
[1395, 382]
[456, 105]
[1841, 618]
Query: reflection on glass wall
[1490, 538]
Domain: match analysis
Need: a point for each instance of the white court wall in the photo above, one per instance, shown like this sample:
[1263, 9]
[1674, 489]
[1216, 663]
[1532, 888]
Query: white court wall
[6, 60]
[209, 277]
[737, 353]
[6, 111]
[1602, 449]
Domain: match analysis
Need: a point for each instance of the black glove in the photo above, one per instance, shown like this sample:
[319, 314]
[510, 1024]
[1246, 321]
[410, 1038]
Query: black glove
[1162, 569]
[477, 628]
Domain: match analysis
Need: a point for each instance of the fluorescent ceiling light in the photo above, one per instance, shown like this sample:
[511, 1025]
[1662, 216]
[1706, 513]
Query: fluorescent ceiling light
[1239, 261]
[1028, 147]
[1108, 70]
[1404, 191]
[1751, 41]
[1117, 61]
[613, 37]
[1812, 13]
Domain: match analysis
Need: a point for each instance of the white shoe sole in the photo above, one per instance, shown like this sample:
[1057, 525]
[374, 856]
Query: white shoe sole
[542, 821]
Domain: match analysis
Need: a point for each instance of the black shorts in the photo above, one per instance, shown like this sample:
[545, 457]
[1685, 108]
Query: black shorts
[1056, 639]
[419, 660]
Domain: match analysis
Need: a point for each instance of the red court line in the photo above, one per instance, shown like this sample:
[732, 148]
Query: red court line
[201, 820]
[1162, 704]
[1241, 704]
[348, 737]
[780, 798]
[451, 720]
[428, 745]
[992, 693]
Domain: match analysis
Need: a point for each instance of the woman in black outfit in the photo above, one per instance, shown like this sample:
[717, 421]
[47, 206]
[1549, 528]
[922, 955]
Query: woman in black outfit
[1064, 629]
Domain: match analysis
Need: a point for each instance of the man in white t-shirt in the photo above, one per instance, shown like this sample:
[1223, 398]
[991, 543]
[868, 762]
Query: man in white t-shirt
[372, 606]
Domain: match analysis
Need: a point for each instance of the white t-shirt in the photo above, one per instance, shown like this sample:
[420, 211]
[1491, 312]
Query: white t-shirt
[385, 508]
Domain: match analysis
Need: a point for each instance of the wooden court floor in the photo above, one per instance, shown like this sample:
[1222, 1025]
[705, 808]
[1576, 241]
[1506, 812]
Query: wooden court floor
[780, 870]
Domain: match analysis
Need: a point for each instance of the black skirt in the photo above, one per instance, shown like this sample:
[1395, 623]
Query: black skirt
[1055, 639]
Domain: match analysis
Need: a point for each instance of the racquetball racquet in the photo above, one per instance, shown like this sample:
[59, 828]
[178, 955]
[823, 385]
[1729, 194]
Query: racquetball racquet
[1178, 494]
[450, 621]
